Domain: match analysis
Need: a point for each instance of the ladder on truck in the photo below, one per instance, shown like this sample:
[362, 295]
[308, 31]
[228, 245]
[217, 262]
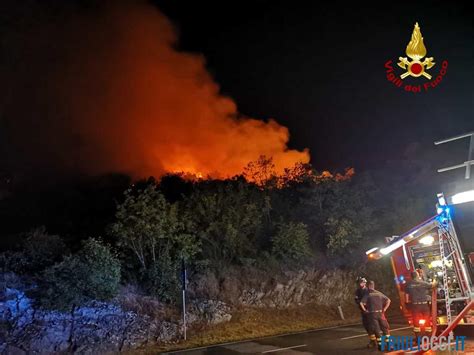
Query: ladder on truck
[449, 242]
[450, 250]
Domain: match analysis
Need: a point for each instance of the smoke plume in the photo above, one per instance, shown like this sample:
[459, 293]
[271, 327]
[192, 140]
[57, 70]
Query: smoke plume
[102, 88]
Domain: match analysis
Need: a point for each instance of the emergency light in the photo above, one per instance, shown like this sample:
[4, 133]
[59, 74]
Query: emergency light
[392, 247]
[427, 240]
[371, 251]
[463, 197]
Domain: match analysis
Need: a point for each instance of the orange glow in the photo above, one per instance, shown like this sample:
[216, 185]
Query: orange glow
[121, 98]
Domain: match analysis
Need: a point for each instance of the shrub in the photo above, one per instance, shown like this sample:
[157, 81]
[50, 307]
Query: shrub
[93, 273]
[39, 251]
[342, 233]
[162, 280]
[291, 241]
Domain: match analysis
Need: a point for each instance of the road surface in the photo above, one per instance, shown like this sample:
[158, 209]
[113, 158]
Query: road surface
[349, 339]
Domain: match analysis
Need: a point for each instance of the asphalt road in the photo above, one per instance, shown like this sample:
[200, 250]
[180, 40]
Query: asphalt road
[350, 339]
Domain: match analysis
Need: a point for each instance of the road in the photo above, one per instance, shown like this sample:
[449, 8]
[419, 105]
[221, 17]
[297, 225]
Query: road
[349, 339]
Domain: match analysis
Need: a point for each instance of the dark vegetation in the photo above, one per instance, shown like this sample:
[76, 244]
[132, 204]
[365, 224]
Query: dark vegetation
[81, 241]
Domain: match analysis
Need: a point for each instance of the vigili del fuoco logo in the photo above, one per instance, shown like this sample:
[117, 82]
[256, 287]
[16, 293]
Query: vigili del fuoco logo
[416, 67]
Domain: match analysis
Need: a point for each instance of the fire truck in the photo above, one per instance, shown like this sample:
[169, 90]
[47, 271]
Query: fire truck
[442, 250]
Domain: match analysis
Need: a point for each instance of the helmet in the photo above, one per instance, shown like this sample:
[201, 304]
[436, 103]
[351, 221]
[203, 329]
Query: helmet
[361, 279]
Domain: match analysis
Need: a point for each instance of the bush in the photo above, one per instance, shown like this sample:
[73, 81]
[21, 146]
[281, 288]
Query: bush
[342, 233]
[39, 251]
[92, 274]
[291, 241]
[162, 280]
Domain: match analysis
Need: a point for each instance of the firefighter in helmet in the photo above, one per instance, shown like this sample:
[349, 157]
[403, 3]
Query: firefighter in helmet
[375, 304]
[359, 294]
[417, 297]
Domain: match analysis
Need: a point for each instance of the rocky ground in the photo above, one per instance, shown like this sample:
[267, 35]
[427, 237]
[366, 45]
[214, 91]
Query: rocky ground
[95, 328]
[121, 325]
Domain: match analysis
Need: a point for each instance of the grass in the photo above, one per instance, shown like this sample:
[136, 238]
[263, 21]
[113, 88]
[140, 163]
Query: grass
[248, 323]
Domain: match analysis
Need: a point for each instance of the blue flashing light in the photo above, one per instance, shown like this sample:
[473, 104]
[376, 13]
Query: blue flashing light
[443, 213]
[400, 279]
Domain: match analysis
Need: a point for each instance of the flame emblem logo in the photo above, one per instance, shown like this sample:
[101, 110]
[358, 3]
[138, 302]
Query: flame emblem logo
[416, 50]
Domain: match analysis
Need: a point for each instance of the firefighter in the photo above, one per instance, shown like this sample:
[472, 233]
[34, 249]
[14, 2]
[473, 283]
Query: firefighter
[375, 304]
[359, 294]
[421, 272]
[417, 297]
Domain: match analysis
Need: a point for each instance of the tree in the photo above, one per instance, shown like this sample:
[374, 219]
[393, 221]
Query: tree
[341, 233]
[92, 274]
[291, 241]
[297, 175]
[230, 217]
[261, 172]
[150, 227]
[339, 212]
[158, 234]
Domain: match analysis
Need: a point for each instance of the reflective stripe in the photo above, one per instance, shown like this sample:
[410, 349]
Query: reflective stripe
[416, 329]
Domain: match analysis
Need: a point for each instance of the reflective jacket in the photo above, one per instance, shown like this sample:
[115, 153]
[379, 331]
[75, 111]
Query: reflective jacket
[419, 291]
[374, 301]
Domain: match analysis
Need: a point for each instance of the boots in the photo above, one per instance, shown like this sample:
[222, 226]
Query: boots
[372, 342]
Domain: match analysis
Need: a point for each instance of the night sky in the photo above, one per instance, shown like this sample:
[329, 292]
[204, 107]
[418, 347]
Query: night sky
[318, 68]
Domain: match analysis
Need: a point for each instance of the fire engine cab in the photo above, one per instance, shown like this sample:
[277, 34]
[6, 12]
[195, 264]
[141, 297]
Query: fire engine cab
[441, 249]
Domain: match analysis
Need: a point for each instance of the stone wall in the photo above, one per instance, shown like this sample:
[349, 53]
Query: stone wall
[115, 326]
[95, 328]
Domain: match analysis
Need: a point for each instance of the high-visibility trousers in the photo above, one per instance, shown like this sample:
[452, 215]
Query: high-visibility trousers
[421, 317]
[378, 325]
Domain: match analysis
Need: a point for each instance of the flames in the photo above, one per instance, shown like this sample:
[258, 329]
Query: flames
[103, 91]
[415, 48]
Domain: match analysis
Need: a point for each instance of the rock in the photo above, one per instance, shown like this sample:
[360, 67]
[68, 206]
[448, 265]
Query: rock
[252, 297]
[209, 312]
[98, 327]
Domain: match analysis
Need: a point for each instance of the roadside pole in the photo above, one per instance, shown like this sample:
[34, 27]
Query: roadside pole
[183, 279]
[341, 314]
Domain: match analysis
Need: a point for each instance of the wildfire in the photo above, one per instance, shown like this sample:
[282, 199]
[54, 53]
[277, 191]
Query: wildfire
[120, 97]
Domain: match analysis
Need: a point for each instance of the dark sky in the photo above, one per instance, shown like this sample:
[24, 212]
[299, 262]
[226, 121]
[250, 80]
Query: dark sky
[318, 68]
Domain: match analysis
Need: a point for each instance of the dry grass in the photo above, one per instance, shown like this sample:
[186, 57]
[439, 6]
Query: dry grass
[251, 323]
[329, 288]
